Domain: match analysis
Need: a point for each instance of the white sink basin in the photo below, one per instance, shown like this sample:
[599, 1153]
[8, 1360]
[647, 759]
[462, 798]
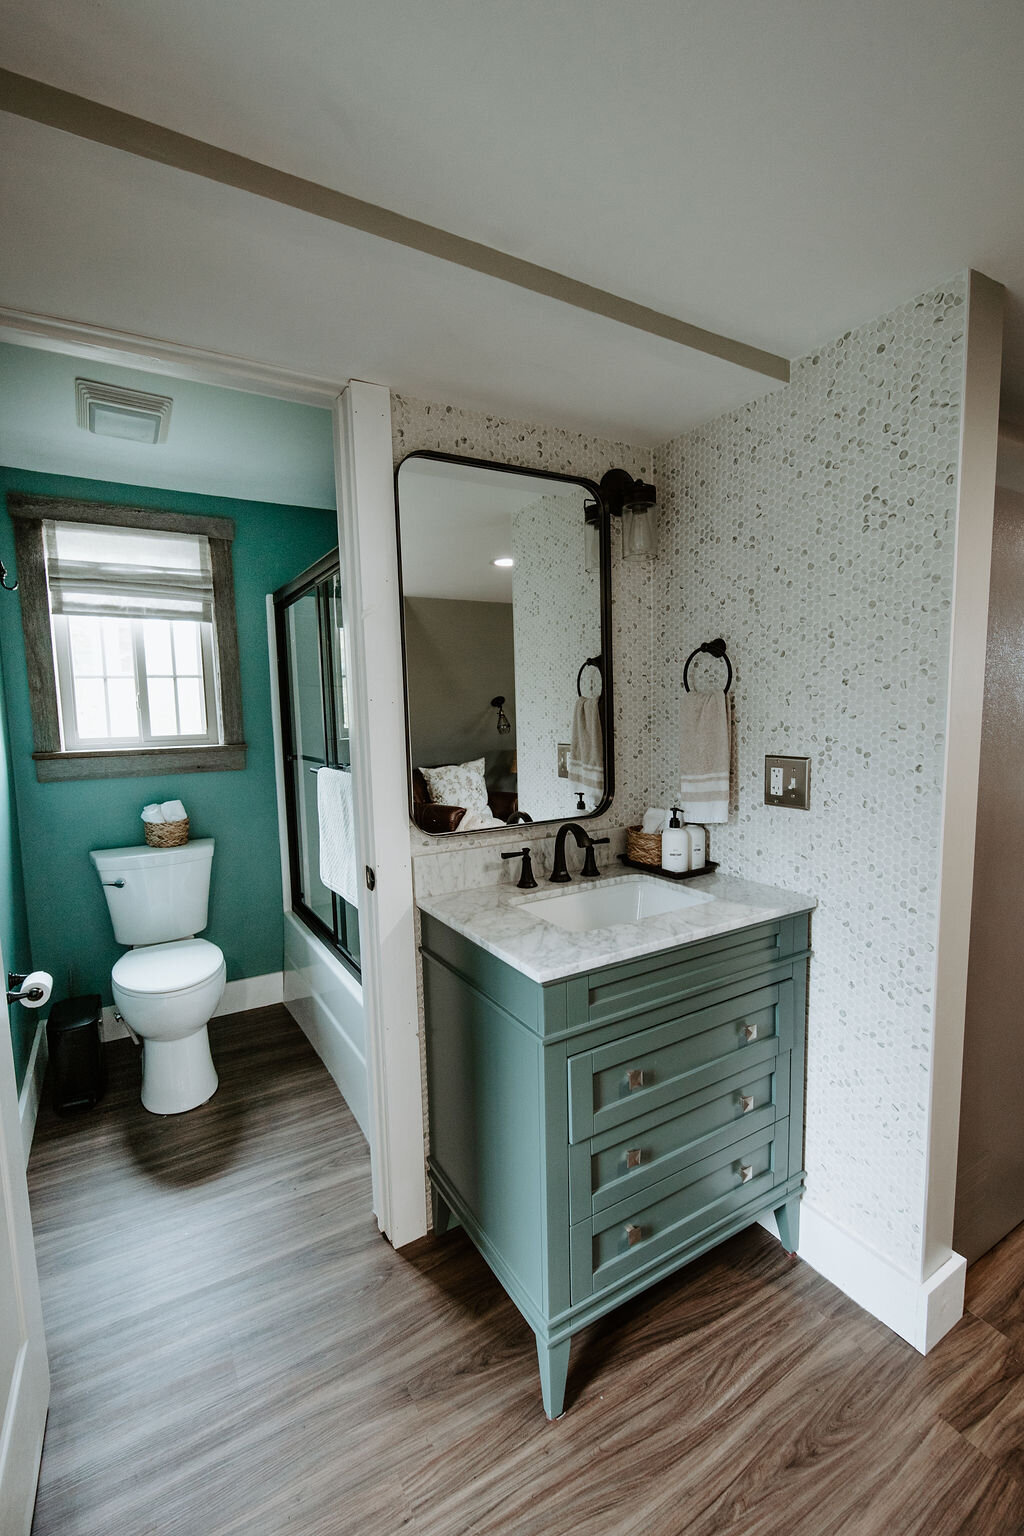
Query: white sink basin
[606, 904]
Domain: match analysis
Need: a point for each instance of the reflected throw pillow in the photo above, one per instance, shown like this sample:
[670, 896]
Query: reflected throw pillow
[458, 784]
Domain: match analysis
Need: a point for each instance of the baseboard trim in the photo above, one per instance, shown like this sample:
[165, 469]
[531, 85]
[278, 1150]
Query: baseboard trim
[920, 1311]
[247, 992]
[32, 1088]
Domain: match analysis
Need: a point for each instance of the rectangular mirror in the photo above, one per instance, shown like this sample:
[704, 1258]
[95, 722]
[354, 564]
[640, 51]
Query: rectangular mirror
[506, 622]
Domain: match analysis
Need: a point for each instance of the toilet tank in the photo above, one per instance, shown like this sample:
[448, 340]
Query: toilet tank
[165, 891]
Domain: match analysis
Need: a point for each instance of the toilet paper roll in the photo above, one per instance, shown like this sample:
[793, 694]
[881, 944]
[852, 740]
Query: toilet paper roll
[41, 979]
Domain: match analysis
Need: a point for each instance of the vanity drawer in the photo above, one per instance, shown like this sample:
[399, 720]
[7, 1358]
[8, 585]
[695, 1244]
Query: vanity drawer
[623, 992]
[614, 1084]
[731, 1105]
[616, 1243]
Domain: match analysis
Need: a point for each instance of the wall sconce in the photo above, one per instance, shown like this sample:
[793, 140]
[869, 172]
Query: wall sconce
[504, 723]
[636, 504]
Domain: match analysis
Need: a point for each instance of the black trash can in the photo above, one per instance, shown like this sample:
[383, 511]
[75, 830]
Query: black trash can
[78, 1071]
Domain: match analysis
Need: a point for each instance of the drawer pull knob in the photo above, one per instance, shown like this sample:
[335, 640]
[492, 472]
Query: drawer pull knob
[635, 1078]
[634, 1234]
[750, 1031]
[746, 1103]
[634, 1157]
[746, 1173]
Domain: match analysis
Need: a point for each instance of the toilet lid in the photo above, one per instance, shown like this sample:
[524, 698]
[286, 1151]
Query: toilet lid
[170, 967]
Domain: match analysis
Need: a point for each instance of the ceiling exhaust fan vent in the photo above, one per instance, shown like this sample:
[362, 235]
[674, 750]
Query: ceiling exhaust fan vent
[110, 411]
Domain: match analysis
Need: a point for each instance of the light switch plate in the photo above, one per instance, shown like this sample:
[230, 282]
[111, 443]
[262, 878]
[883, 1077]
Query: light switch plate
[563, 759]
[787, 781]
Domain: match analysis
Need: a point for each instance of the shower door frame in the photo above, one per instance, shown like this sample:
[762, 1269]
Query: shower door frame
[310, 580]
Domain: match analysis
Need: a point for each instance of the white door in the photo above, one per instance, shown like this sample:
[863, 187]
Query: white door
[24, 1375]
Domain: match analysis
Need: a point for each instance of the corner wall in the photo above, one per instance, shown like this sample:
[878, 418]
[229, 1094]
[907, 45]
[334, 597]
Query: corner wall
[14, 939]
[814, 530]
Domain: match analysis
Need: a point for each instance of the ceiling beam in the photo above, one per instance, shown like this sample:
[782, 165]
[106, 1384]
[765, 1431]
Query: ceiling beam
[135, 136]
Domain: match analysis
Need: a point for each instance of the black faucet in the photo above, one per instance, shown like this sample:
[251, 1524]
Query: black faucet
[526, 881]
[560, 873]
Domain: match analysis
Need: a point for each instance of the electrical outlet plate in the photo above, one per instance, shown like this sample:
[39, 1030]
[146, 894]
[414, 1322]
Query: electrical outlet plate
[787, 781]
[563, 759]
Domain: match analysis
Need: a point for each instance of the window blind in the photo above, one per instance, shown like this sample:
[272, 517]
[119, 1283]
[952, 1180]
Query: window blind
[127, 572]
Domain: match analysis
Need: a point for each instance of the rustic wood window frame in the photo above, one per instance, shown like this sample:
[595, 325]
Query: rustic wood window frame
[28, 513]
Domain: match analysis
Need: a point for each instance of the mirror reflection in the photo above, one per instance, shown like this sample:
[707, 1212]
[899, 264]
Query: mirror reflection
[504, 597]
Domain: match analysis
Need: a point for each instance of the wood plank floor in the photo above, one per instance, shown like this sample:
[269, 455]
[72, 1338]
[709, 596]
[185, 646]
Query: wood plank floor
[235, 1349]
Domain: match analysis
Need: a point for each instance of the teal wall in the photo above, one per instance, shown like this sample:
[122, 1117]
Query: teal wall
[68, 922]
[14, 940]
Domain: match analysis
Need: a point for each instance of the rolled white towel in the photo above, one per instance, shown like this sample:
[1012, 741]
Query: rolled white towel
[173, 810]
[654, 820]
[152, 813]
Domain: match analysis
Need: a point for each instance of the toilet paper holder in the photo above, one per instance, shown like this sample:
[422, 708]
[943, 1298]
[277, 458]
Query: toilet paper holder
[17, 992]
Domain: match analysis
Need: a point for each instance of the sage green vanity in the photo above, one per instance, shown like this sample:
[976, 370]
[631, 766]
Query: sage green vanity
[595, 1130]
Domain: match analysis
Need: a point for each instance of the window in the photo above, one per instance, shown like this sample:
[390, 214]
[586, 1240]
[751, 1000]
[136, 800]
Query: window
[130, 637]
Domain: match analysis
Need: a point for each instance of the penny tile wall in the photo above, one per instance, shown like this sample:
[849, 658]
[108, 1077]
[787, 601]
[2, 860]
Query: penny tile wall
[814, 531]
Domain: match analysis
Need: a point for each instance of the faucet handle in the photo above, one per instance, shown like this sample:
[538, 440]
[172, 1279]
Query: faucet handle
[590, 870]
[526, 881]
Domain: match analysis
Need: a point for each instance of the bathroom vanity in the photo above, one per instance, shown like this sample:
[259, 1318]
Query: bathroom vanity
[607, 1103]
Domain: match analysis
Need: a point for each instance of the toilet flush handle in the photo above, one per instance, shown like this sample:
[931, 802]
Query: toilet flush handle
[118, 883]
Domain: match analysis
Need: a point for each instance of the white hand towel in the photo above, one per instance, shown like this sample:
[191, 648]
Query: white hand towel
[586, 749]
[173, 810]
[337, 833]
[654, 820]
[152, 814]
[704, 757]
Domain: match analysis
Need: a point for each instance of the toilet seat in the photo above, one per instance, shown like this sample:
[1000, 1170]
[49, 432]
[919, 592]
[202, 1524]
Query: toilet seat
[167, 970]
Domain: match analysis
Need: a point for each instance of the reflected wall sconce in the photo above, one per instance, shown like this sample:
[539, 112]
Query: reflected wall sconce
[504, 723]
[636, 504]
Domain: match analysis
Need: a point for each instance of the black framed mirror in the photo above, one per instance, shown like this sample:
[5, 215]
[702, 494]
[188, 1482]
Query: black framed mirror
[506, 634]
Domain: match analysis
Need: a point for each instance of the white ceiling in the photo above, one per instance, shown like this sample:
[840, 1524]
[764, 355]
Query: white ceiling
[455, 520]
[779, 174]
[220, 442]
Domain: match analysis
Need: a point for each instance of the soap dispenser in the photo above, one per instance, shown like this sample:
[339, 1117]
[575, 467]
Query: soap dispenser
[675, 845]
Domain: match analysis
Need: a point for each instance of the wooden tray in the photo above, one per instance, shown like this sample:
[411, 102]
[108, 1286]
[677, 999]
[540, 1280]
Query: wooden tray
[667, 874]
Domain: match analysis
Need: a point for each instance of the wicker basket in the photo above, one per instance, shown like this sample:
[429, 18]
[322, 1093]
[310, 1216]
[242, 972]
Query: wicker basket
[643, 847]
[166, 834]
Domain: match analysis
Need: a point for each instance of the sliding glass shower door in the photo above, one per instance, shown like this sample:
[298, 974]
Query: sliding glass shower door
[315, 728]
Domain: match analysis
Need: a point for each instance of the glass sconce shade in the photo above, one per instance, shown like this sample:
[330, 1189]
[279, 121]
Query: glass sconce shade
[640, 533]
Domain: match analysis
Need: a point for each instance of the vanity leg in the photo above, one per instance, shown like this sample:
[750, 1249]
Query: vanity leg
[788, 1218]
[553, 1360]
[440, 1212]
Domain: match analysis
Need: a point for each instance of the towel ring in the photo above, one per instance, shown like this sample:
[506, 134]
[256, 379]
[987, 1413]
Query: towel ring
[591, 661]
[713, 648]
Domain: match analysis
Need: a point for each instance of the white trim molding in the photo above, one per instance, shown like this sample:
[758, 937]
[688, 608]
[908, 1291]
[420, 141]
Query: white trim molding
[31, 1095]
[239, 996]
[922, 1311]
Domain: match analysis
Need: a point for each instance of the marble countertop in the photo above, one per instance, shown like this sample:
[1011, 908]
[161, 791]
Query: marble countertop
[500, 919]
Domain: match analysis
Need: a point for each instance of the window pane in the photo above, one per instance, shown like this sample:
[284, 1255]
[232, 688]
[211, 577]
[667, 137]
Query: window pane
[157, 634]
[117, 647]
[190, 707]
[91, 708]
[186, 648]
[124, 715]
[162, 717]
[86, 640]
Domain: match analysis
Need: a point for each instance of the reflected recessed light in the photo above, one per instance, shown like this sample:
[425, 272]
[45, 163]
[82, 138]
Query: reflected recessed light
[503, 561]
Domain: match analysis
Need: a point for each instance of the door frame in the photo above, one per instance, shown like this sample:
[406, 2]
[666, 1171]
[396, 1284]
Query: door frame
[23, 1415]
[364, 480]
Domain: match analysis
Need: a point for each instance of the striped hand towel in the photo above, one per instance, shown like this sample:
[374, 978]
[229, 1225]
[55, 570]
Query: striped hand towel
[586, 747]
[704, 757]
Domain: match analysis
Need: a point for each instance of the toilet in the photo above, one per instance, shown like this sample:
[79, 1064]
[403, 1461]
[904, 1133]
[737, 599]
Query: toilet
[168, 984]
